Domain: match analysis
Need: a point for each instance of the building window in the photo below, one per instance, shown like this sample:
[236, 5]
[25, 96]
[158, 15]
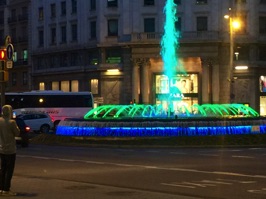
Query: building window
[74, 6]
[74, 32]
[202, 23]
[15, 56]
[242, 52]
[93, 29]
[262, 53]
[63, 8]
[148, 2]
[25, 55]
[2, 35]
[53, 10]
[112, 27]
[25, 78]
[63, 34]
[14, 78]
[177, 2]
[14, 33]
[149, 25]
[13, 14]
[24, 11]
[93, 4]
[177, 84]
[2, 18]
[94, 86]
[41, 86]
[39, 63]
[262, 25]
[41, 39]
[111, 3]
[63, 60]
[201, 2]
[52, 61]
[113, 56]
[55, 86]
[178, 24]
[40, 15]
[74, 86]
[53, 36]
[65, 86]
[93, 58]
[73, 59]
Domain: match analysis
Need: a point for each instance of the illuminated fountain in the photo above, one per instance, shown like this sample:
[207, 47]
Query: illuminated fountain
[182, 112]
[177, 119]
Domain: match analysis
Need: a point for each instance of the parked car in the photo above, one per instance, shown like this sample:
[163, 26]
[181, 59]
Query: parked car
[38, 122]
[23, 138]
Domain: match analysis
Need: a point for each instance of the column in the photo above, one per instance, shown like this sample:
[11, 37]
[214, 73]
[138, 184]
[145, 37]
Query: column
[135, 80]
[145, 81]
[215, 83]
[205, 81]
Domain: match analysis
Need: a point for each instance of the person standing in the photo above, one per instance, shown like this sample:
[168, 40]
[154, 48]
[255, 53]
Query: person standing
[8, 131]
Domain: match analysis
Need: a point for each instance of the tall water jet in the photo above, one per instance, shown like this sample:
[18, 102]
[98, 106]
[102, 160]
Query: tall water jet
[169, 46]
[169, 42]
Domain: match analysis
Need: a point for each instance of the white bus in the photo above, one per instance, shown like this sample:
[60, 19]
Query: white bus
[58, 104]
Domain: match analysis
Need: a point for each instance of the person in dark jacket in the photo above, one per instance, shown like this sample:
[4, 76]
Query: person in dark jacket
[8, 131]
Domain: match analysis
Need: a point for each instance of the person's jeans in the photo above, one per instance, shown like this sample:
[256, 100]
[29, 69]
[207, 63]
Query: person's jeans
[7, 170]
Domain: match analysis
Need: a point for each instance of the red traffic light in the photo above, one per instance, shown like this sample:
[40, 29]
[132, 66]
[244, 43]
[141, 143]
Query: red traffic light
[3, 54]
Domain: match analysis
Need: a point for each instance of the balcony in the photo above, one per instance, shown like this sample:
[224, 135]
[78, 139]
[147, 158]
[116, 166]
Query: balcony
[199, 36]
[146, 37]
[195, 36]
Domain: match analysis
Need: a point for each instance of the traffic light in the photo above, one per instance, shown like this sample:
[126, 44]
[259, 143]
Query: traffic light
[2, 54]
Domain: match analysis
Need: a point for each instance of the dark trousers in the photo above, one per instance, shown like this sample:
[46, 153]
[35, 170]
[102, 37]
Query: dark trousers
[7, 170]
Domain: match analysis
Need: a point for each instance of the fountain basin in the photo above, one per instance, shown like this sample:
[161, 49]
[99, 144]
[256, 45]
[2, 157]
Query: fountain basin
[154, 127]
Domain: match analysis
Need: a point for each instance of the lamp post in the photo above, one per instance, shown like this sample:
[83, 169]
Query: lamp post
[234, 24]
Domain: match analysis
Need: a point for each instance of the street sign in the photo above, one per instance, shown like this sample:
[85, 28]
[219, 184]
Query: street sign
[9, 64]
[9, 52]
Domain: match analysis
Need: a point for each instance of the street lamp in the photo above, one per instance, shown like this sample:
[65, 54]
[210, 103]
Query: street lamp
[234, 24]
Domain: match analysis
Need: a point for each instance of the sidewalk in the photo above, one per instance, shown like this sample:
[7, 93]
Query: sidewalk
[52, 189]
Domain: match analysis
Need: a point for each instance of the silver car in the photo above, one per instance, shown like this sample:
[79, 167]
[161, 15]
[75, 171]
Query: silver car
[38, 122]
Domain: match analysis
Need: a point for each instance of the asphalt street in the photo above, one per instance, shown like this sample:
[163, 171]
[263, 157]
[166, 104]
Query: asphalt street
[185, 173]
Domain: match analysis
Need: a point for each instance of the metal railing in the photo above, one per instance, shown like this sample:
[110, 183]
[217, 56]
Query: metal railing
[184, 36]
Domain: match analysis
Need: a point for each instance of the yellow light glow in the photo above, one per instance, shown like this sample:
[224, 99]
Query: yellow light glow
[112, 70]
[226, 16]
[241, 67]
[2, 54]
[236, 24]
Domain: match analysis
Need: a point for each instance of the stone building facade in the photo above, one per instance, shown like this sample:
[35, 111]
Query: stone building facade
[75, 45]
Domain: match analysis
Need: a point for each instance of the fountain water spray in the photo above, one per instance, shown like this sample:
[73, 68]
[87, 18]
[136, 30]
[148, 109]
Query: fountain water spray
[169, 46]
[169, 42]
